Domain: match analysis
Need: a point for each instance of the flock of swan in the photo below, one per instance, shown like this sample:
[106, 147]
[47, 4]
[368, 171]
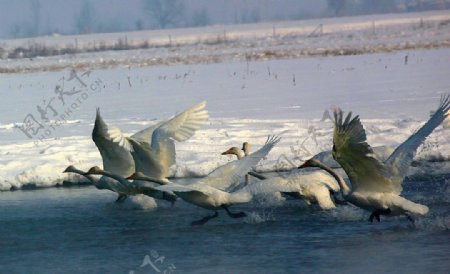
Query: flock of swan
[140, 164]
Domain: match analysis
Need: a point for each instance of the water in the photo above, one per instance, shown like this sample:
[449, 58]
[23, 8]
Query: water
[82, 230]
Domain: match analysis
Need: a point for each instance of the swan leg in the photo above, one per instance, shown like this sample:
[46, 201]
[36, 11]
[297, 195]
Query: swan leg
[410, 218]
[336, 199]
[234, 215]
[377, 214]
[205, 219]
[121, 198]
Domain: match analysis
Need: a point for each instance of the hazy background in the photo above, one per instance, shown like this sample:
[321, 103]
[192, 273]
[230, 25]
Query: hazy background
[29, 18]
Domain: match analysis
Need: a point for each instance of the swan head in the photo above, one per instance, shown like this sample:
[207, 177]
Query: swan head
[246, 147]
[95, 170]
[232, 151]
[70, 168]
[311, 163]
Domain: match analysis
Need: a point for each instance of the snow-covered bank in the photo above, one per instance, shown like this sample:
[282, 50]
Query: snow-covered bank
[25, 163]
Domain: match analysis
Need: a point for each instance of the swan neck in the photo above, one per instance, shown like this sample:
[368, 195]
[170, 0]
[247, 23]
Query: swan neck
[345, 190]
[87, 176]
[112, 175]
[150, 179]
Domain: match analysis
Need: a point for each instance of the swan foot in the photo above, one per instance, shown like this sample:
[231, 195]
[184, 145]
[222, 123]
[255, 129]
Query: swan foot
[169, 197]
[234, 215]
[205, 219]
[121, 198]
[376, 214]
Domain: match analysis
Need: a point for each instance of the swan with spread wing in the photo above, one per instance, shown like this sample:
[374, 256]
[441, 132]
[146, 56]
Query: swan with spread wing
[376, 186]
[151, 150]
[211, 192]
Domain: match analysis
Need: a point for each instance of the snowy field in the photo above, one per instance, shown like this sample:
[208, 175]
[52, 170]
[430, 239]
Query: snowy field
[213, 44]
[246, 101]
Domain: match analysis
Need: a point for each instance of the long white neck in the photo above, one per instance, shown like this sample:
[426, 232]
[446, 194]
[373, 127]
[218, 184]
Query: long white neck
[114, 176]
[142, 177]
[345, 190]
[238, 153]
[246, 148]
[91, 178]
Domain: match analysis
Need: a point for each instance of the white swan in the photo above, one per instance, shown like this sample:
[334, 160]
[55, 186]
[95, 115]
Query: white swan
[122, 155]
[376, 186]
[124, 187]
[238, 153]
[105, 184]
[210, 193]
[313, 188]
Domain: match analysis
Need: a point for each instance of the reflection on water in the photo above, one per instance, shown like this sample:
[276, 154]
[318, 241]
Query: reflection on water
[82, 230]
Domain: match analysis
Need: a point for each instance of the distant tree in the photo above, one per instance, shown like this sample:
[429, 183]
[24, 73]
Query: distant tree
[139, 25]
[337, 6]
[35, 17]
[164, 13]
[200, 18]
[378, 6]
[84, 22]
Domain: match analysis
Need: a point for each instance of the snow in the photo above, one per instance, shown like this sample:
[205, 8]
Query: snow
[246, 101]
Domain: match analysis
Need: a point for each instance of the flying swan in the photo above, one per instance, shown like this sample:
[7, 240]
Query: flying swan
[210, 192]
[376, 186]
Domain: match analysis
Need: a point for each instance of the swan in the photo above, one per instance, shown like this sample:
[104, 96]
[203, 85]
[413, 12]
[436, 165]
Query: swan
[313, 188]
[124, 187]
[151, 150]
[376, 186]
[238, 153]
[111, 185]
[209, 192]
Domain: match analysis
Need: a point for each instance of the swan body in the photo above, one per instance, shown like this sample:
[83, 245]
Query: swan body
[375, 185]
[210, 192]
[313, 188]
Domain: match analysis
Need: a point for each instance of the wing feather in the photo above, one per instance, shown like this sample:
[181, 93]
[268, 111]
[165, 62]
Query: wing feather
[113, 146]
[352, 152]
[400, 160]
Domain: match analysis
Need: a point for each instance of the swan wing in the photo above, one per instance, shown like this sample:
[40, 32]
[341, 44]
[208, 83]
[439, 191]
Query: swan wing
[153, 164]
[182, 126]
[227, 176]
[114, 147]
[157, 153]
[400, 160]
[145, 135]
[352, 152]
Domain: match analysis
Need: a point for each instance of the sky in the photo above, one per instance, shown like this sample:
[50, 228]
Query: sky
[55, 16]
[28, 18]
